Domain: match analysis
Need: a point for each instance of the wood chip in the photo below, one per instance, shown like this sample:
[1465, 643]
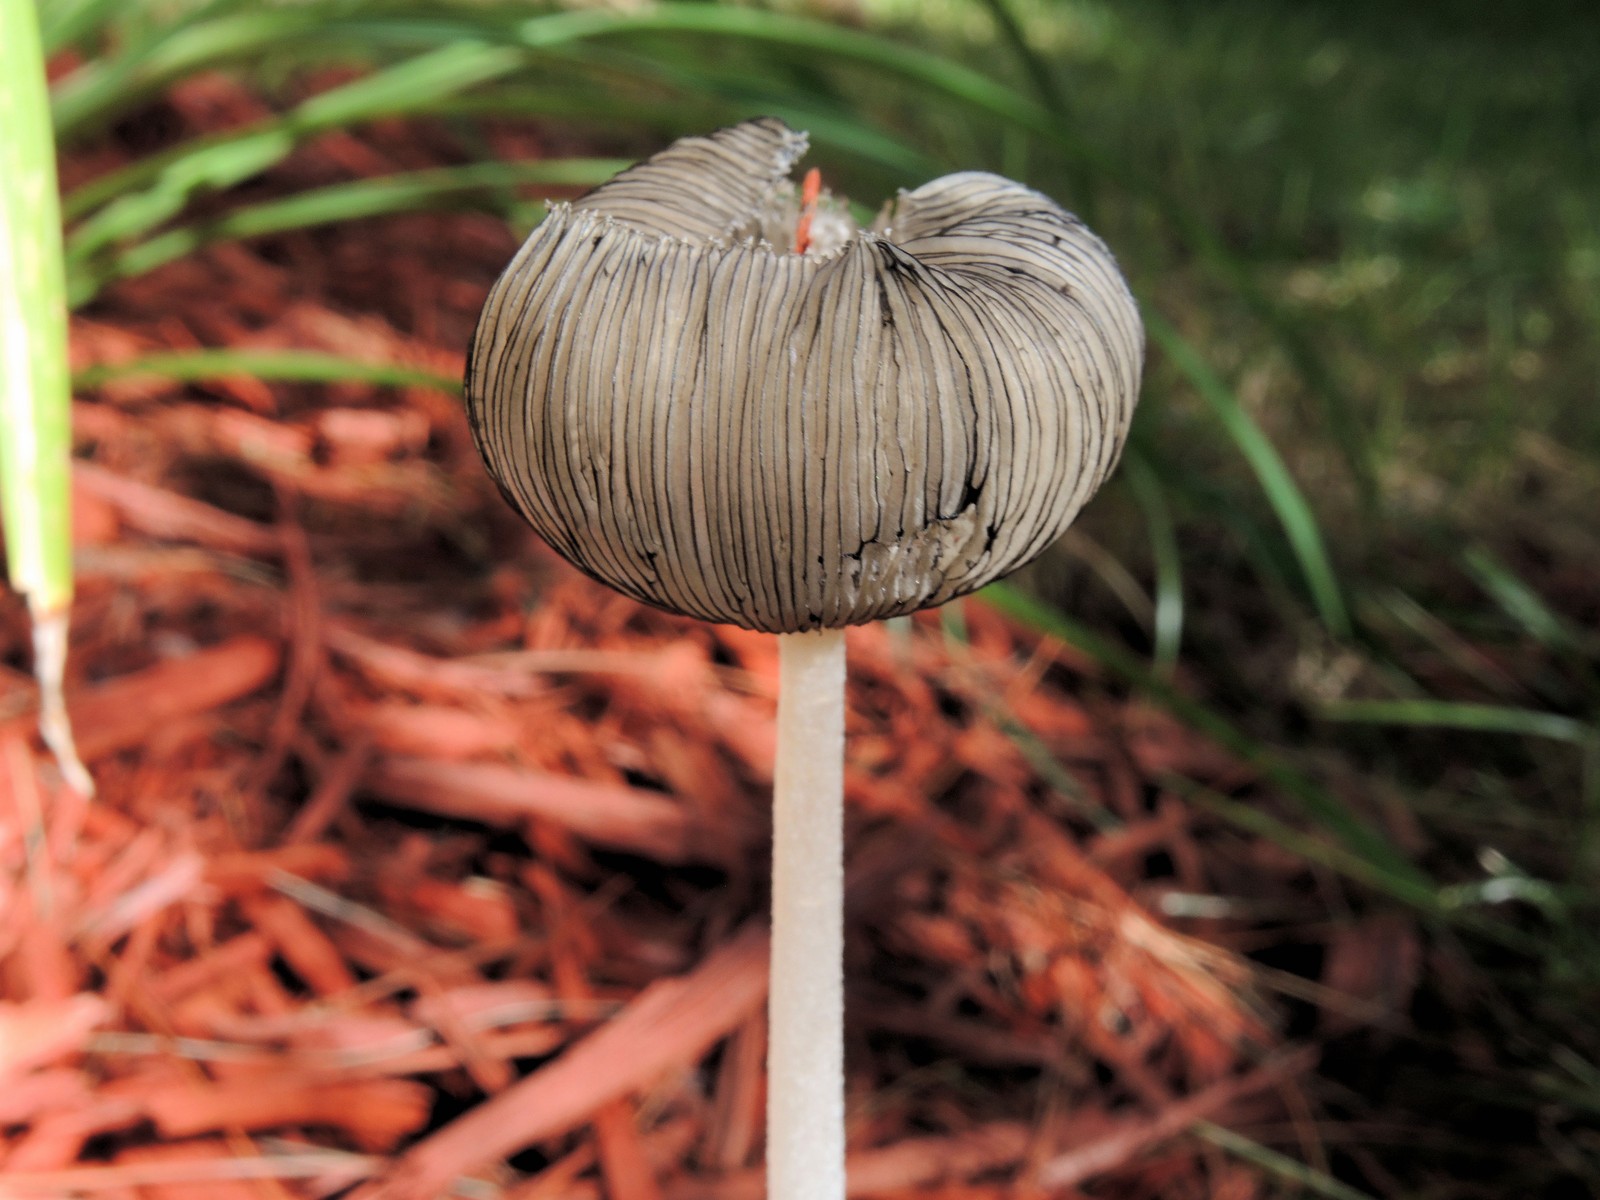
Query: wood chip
[619, 818]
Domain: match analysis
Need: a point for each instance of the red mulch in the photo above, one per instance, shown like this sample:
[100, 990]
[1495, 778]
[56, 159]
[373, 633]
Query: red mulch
[420, 861]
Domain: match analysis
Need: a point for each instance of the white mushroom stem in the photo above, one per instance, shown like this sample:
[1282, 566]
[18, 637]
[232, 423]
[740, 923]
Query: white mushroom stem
[805, 1061]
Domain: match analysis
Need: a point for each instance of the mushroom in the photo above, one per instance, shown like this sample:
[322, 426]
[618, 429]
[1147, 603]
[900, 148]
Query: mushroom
[722, 398]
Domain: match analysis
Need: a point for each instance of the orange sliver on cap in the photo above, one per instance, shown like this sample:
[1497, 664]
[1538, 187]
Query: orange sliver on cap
[810, 189]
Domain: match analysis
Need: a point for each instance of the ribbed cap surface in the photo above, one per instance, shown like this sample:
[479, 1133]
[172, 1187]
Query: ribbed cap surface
[785, 442]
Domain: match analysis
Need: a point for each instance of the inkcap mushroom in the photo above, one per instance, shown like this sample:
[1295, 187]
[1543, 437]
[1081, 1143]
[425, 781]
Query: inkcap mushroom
[713, 392]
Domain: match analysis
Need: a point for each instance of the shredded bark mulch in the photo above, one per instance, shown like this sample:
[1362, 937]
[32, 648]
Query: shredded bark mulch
[422, 866]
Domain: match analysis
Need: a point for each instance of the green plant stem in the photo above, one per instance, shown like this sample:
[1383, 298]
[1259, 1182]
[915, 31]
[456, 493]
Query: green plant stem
[35, 402]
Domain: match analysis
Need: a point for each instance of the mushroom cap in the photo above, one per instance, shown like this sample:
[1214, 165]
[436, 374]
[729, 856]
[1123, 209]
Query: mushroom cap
[786, 442]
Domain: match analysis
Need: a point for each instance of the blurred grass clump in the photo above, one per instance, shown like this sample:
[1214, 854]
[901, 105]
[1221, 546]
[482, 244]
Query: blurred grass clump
[1355, 533]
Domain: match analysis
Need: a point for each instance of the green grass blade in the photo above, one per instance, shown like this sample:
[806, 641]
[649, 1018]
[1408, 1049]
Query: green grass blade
[1301, 349]
[221, 162]
[290, 366]
[1288, 502]
[792, 33]
[1445, 714]
[1388, 607]
[741, 95]
[66, 21]
[1311, 847]
[1205, 500]
[36, 437]
[1164, 551]
[403, 192]
[410, 191]
[1016, 37]
[825, 44]
[1520, 602]
[35, 400]
[98, 91]
[1400, 877]
[1318, 1183]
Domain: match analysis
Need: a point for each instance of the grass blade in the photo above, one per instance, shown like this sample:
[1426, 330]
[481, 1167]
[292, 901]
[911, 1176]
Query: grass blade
[744, 95]
[1202, 499]
[35, 403]
[409, 191]
[1400, 877]
[427, 80]
[1318, 1183]
[1309, 846]
[1520, 602]
[1038, 70]
[1385, 608]
[221, 162]
[293, 366]
[66, 21]
[1446, 714]
[1164, 551]
[817, 38]
[33, 328]
[1288, 502]
[99, 90]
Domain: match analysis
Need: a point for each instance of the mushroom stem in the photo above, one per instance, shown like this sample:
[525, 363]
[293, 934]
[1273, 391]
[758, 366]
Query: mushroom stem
[805, 1061]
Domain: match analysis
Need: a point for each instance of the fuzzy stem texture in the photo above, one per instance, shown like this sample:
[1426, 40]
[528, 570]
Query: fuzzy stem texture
[805, 1065]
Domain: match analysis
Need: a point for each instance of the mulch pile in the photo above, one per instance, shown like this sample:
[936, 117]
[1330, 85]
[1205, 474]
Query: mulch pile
[422, 866]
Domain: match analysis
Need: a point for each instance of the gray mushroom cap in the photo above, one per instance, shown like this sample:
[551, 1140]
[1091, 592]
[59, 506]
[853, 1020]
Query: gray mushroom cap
[720, 427]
